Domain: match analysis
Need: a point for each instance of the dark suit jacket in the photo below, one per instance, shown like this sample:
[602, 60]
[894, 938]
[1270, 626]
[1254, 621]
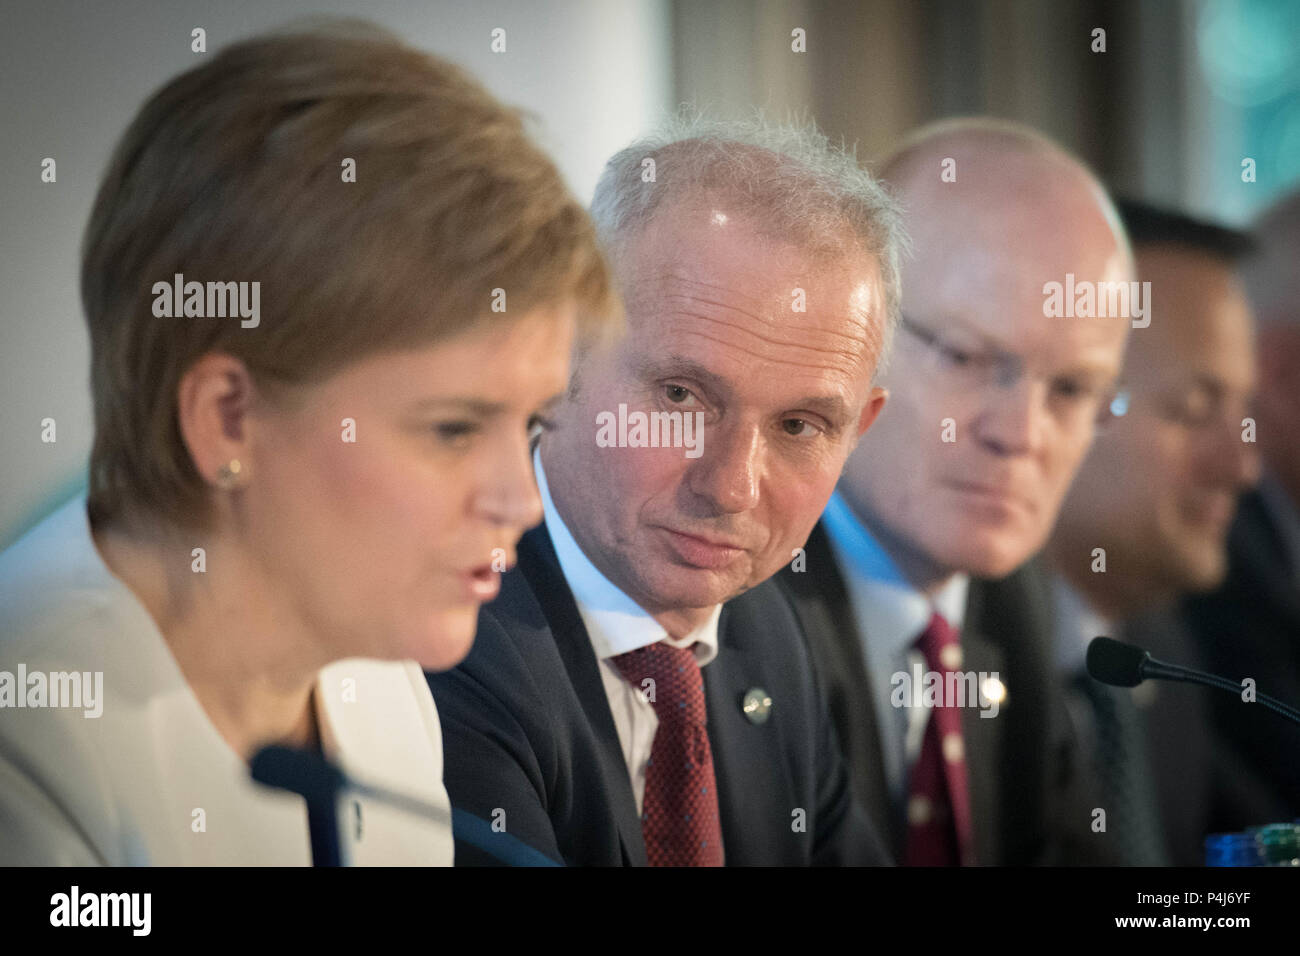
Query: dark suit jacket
[1016, 762]
[1250, 627]
[527, 731]
[1115, 774]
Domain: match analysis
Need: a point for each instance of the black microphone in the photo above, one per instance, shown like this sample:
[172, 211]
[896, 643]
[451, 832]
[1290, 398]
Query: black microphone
[1125, 665]
[319, 782]
[301, 771]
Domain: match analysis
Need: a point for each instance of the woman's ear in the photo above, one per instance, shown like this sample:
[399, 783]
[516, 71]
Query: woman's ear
[214, 400]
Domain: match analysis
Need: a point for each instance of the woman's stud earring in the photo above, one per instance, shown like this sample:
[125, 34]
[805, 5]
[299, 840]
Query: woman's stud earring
[228, 474]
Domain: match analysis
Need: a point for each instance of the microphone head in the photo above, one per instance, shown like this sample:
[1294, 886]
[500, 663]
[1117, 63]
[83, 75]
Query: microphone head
[1116, 663]
[298, 771]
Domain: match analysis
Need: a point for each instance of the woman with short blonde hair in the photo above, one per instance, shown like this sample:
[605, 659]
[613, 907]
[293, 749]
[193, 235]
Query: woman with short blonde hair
[331, 287]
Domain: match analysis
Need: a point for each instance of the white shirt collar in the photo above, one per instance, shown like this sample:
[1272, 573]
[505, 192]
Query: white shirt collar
[615, 623]
[898, 611]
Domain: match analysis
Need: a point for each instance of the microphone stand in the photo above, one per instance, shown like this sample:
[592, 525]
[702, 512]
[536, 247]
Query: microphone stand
[1152, 668]
[323, 825]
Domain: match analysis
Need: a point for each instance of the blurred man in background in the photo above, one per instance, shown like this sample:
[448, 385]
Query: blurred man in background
[993, 405]
[1250, 627]
[1145, 521]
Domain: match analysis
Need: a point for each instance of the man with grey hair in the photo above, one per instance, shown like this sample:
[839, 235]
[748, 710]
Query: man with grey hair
[640, 692]
[1250, 627]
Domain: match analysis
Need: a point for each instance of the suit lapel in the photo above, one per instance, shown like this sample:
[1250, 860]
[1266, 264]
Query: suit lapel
[538, 563]
[983, 745]
[745, 754]
[829, 619]
[1015, 758]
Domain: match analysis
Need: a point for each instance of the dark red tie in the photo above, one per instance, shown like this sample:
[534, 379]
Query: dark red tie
[938, 804]
[679, 819]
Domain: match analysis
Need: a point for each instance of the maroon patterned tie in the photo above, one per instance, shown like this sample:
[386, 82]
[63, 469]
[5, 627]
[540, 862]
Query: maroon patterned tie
[679, 819]
[938, 804]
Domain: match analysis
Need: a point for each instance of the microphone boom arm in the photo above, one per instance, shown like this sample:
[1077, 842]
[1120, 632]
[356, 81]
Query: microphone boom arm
[1152, 668]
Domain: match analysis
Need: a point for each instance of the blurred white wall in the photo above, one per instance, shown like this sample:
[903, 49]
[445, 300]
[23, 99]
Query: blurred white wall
[72, 74]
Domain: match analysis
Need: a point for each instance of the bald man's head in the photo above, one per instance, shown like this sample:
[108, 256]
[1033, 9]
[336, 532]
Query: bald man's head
[972, 184]
[966, 469]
